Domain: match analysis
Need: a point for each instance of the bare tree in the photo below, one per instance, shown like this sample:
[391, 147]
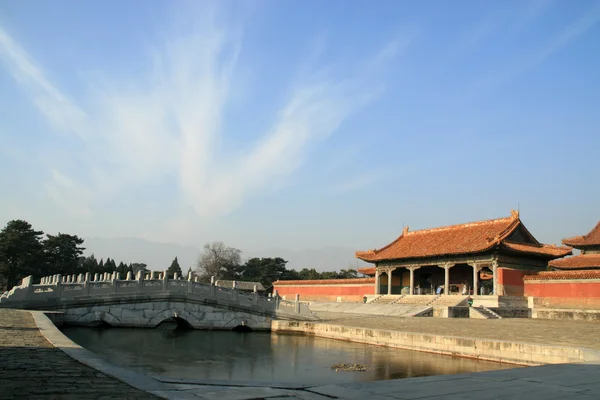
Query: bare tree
[218, 260]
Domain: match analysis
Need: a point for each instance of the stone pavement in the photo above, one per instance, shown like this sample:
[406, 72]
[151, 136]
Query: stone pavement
[565, 333]
[31, 367]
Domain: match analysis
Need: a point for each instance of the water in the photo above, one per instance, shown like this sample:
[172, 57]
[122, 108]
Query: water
[261, 356]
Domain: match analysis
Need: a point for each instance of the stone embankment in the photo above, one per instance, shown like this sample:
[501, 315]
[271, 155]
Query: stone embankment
[524, 342]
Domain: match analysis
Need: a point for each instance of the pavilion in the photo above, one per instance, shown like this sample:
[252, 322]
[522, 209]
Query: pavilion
[488, 257]
[589, 245]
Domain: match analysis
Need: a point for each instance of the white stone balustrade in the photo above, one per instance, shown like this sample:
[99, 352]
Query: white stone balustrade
[68, 291]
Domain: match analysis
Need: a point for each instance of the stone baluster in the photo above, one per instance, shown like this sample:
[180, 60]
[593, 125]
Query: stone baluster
[165, 277]
[129, 276]
[59, 282]
[86, 284]
[140, 281]
[96, 277]
[152, 275]
[190, 283]
[212, 289]
[255, 295]
[175, 276]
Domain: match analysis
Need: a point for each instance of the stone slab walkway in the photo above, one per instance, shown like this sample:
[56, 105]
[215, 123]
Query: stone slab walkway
[565, 333]
[32, 368]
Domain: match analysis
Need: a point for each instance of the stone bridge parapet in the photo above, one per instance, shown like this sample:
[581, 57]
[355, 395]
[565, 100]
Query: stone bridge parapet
[146, 301]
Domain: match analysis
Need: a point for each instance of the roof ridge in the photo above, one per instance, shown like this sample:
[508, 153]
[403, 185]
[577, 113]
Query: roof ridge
[464, 225]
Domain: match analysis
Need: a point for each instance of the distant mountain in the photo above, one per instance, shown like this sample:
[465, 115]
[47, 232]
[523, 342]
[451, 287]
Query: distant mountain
[158, 256]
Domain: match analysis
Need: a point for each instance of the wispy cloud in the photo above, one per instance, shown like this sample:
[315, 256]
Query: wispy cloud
[358, 182]
[536, 57]
[143, 131]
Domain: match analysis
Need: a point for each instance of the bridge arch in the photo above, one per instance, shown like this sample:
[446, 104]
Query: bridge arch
[175, 314]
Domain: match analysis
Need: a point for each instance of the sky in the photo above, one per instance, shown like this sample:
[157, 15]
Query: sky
[298, 125]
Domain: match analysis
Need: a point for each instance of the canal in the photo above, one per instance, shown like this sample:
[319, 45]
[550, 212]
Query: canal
[261, 356]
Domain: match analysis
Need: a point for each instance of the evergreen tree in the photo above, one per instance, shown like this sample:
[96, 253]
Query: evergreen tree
[174, 268]
[61, 253]
[21, 253]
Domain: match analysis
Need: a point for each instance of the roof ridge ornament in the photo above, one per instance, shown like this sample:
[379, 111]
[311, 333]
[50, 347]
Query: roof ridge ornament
[405, 230]
[515, 214]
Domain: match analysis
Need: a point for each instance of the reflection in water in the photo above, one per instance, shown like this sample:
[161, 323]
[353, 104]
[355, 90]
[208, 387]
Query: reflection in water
[260, 356]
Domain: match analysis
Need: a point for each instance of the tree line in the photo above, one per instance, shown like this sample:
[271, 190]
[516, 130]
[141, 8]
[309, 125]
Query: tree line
[25, 251]
[224, 262]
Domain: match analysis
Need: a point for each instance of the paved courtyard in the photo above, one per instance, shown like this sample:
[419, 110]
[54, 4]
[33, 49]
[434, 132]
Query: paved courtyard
[568, 333]
[31, 367]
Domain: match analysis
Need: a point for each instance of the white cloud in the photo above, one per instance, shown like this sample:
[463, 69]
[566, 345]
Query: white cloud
[169, 124]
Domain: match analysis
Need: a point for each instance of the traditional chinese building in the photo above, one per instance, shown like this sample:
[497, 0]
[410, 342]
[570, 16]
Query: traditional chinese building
[589, 245]
[485, 257]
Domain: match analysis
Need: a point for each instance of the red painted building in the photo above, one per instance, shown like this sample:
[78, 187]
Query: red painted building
[456, 257]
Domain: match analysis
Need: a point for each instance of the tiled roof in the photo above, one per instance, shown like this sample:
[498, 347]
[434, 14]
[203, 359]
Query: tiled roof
[591, 239]
[562, 275]
[577, 262]
[473, 237]
[367, 271]
[542, 249]
[326, 282]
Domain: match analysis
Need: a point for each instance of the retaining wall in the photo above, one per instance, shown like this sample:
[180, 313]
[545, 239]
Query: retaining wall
[484, 349]
[328, 290]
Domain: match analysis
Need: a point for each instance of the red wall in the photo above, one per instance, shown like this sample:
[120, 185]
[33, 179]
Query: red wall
[564, 289]
[510, 282]
[327, 290]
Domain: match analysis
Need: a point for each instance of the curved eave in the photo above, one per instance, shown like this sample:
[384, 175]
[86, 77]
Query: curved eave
[546, 252]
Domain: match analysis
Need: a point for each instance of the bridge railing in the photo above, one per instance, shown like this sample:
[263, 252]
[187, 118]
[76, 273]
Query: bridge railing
[55, 289]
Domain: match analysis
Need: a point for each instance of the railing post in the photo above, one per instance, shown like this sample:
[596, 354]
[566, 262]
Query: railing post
[190, 283]
[234, 292]
[212, 286]
[165, 277]
[276, 296]
[255, 295]
[59, 286]
[297, 305]
[140, 281]
[115, 283]
[86, 284]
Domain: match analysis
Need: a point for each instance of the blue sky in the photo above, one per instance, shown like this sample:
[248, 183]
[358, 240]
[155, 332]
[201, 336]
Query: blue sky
[298, 124]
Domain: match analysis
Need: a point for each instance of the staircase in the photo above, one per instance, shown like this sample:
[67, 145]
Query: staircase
[482, 312]
[387, 299]
[449, 301]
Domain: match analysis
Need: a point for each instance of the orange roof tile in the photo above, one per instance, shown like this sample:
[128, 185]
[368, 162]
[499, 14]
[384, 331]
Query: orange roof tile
[560, 275]
[591, 239]
[325, 281]
[367, 270]
[542, 249]
[582, 261]
[473, 237]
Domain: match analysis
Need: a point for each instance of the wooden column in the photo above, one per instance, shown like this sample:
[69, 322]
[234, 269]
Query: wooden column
[447, 267]
[476, 269]
[495, 280]
[412, 279]
[377, 275]
[389, 275]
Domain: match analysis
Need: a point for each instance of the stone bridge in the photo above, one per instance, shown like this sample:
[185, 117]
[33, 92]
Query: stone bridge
[149, 301]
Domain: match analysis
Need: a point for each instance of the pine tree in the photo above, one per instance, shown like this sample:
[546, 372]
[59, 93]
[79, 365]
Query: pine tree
[174, 268]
